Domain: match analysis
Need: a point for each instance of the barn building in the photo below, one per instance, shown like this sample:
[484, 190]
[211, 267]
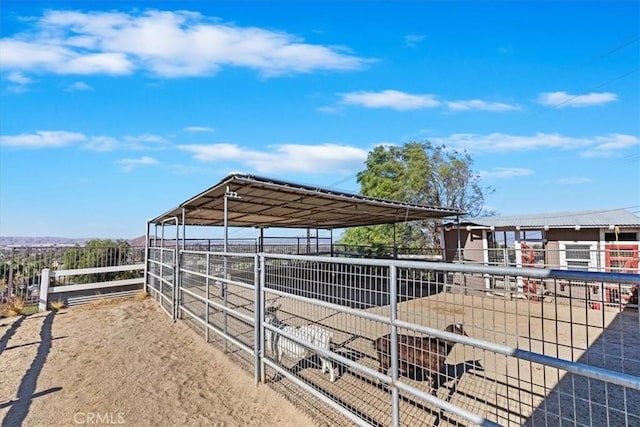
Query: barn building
[602, 240]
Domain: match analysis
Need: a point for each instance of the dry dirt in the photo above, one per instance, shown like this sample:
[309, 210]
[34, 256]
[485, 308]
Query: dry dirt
[125, 363]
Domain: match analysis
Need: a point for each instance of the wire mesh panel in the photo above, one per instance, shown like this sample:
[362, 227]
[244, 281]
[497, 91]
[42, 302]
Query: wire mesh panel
[513, 391]
[496, 375]
[353, 286]
[217, 292]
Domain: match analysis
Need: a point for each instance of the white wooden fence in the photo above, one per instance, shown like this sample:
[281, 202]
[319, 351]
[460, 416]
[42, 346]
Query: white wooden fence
[74, 294]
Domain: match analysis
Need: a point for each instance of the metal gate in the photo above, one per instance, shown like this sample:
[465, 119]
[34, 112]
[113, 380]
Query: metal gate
[161, 277]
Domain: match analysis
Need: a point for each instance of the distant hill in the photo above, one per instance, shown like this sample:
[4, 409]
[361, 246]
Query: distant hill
[138, 241]
[54, 241]
[39, 241]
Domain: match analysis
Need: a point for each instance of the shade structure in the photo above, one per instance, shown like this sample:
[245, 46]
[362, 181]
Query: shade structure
[254, 201]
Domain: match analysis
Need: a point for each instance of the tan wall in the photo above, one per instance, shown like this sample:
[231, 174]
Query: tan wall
[472, 241]
[552, 253]
[473, 247]
[451, 243]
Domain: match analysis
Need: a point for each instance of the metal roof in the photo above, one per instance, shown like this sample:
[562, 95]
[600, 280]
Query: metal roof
[585, 219]
[264, 202]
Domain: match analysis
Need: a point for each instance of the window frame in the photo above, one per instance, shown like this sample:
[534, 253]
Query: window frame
[592, 262]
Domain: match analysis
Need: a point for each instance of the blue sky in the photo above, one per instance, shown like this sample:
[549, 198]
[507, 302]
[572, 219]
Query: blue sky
[114, 112]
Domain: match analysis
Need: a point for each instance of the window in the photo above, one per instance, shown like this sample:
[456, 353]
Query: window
[577, 256]
[621, 237]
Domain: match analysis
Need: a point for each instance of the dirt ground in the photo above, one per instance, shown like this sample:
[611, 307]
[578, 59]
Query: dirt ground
[125, 363]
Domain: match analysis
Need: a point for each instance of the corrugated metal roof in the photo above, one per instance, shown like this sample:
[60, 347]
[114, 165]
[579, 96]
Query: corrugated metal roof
[265, 202]
[585, 219]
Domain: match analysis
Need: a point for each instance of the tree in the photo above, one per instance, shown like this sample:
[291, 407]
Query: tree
[99, 253]
[419, 173]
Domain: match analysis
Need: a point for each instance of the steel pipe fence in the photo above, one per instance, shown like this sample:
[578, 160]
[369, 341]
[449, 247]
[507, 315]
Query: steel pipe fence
[161, 277]
[521, 357]
[621, 257]
[217, 291]
[278, 245]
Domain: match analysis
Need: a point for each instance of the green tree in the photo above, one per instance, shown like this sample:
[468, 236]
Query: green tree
[420, 173]
[99, 253]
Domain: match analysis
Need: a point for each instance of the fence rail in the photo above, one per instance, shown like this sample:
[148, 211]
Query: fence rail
[73, 294]
[529, 358]
[21, 267]
[616, 258]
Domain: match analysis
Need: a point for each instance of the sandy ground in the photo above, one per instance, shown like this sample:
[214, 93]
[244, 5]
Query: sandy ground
[125, 363]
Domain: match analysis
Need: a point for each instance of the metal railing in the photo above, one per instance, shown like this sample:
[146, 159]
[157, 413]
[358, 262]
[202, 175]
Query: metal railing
[615, 258]
[538, 360]
[21, 267]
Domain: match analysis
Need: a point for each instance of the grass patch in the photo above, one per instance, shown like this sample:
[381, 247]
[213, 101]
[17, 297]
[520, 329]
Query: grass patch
[57, 305]
[14, 307]
[30, 309]
[142, 295]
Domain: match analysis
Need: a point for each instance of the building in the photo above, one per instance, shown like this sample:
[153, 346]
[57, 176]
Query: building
[603, 240]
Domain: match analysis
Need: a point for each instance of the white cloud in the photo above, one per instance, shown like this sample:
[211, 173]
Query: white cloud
[97, 63]
[390, 99]
[102, 143]
[42, 139]
[26, 55]
[608, 146]
[198, 129]
[505, 142]
[403, 101]
[324, 158]
[574, 180]
[506, 173]
[596, 146]
[45, 55]
[166, 44]
[139, 142]
[480, 105]
[18, 78]
[129, 164]
[99, 143]
[78, 87]
[564, 99]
